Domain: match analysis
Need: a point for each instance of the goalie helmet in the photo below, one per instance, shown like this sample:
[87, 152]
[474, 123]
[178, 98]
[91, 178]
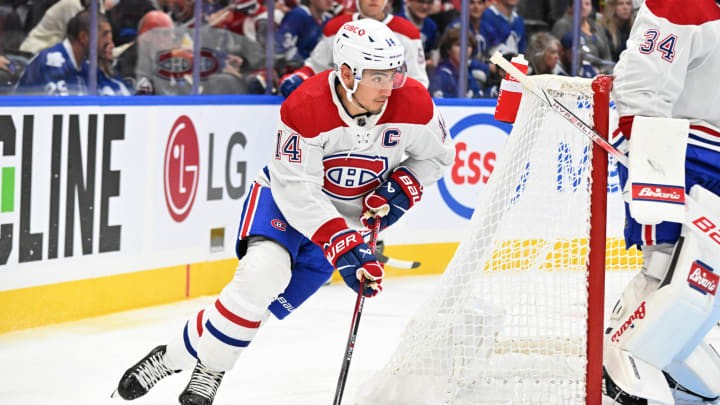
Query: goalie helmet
[369, 44]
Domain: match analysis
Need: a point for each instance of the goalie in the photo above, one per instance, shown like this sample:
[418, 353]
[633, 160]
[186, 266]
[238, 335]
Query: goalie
[667, 97]
[353, 140]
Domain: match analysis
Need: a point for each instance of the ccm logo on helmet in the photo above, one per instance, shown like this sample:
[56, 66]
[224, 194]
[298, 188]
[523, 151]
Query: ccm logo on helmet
[355, 30]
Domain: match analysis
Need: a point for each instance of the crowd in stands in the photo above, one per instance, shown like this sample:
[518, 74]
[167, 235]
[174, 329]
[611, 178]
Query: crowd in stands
[146, 46]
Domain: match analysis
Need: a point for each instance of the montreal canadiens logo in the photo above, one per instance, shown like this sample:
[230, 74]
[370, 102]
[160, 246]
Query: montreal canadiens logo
[350, 177]
[179, 63]
[180, 170]
[278, 224]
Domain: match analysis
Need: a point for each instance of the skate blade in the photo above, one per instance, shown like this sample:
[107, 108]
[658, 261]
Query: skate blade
[114, 393]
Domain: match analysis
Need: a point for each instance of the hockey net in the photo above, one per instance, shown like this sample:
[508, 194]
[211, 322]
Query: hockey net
[511, 319]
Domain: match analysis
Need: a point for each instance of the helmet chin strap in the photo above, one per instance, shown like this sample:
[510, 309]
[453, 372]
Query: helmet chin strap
[350, 92]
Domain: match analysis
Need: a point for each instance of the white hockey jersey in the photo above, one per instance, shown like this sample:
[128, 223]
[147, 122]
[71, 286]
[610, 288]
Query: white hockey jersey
[670, 68]
[326, 161]
[321, 57]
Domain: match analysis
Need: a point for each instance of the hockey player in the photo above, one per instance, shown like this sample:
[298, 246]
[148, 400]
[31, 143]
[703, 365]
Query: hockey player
[353, 140]
[321, 57]
[58, 70]
[301, 29]
[666, 94]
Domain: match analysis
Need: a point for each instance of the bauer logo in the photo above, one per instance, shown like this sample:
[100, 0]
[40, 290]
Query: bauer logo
[350, 177]
[702, 278]
[180, 171]
[479, 139]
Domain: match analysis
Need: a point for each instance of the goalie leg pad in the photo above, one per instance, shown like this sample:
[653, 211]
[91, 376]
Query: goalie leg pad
[698, 375]
[230, 324]
[672, 320]
[631, 380]
[656, 262]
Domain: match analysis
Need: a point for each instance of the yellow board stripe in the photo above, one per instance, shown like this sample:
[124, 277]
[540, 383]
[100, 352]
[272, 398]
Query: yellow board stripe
[48, 304]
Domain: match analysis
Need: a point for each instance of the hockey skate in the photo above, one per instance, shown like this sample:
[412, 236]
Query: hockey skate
[141, 377]
[612, 394]
[202, 387]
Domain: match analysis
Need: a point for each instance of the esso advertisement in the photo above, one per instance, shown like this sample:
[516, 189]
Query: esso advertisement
[479, 140]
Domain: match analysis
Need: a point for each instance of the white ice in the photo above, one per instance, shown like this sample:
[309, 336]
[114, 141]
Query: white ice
[294, 361]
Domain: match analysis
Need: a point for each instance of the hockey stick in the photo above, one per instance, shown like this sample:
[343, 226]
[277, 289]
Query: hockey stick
[697, 217]
[359, 302]
[392, 262]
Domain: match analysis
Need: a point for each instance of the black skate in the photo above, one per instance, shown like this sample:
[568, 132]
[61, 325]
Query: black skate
[615, 393]
[139, 378]
[202, 387]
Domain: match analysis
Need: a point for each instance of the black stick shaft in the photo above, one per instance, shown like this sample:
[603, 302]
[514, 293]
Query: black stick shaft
[350, 346]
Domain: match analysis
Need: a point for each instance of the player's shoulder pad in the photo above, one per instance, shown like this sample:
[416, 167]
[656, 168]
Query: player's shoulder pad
[334, 25]
[681, 13]
[404, 27]
[310, 110]
[410, 104]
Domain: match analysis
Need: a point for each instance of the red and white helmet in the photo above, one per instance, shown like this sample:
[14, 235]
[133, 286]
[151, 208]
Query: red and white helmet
[369, 44]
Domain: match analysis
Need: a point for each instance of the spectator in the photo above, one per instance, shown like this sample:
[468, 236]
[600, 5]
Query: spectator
[321, 57]
[127, 54]
[503, 29]
[617, 20]
[51, 29]
[125, 18]
[444, 12]
[541, 15]
[11, 30]
[300, 31]
[476, 9]
[543, 53]
[595, 43]
[417, 12]
[563, 68]
[58, 70]
[109, 82]
[445, 78]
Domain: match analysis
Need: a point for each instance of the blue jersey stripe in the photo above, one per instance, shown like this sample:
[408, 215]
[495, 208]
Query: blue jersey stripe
[225, 338]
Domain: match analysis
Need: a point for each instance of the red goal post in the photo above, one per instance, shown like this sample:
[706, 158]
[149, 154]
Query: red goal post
[518, 313]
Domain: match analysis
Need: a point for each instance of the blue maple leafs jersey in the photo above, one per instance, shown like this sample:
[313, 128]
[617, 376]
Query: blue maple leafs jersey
[501, 34]
[53, 72]
[298, 33]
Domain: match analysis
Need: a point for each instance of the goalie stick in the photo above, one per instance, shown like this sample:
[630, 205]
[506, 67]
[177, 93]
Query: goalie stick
[696, 216]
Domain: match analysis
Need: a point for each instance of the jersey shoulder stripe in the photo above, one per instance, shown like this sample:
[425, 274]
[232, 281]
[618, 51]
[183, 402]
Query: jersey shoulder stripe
[681, 13]
[404, 27]
[310, 109]
[334, 25]
[410, 104]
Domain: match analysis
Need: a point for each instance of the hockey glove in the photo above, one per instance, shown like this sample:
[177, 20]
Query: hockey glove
[400, 192]
[292, 81]
[353, 259]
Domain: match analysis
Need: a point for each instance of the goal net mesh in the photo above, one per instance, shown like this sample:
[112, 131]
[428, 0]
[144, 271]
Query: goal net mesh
[508, 322]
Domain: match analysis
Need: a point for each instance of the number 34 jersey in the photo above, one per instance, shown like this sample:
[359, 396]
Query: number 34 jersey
[326, 161]
[671, 65]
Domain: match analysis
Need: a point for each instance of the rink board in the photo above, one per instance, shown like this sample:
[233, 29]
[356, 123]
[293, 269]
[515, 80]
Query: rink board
[113, 204]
